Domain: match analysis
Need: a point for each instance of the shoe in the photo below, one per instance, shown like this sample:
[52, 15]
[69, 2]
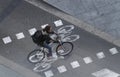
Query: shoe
[51, 58]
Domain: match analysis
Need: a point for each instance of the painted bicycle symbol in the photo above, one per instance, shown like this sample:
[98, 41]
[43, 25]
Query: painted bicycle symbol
[65, 33]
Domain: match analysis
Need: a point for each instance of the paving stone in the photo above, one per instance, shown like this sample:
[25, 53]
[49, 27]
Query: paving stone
[100, 3]
[117, 6]
[88, 5]
[101, 14]
[106, 9]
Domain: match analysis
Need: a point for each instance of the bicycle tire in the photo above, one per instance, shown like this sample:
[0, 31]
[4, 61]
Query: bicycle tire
[68, 52]
[34, 51]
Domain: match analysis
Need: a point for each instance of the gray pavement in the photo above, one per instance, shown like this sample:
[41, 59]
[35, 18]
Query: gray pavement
[26, 16]
[101, 14]
[10, 67]
[6, 7]
[7, 67]
[6, 72]
[4, 4]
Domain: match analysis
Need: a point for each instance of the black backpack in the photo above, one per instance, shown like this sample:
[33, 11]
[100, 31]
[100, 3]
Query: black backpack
[37, 37]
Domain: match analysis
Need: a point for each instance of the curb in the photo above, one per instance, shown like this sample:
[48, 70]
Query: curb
[17, 68]
[75, 21]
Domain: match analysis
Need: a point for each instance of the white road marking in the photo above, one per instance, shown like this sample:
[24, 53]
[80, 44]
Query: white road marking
[87, 60]
[113, 51]
[100, 55]
[54, 55]
[49, 73]
[62, 69]
[105, 73]
[32, 31]
[43, 26]
[58, 23]
[75, 64]
[7, 40]
[20, 35]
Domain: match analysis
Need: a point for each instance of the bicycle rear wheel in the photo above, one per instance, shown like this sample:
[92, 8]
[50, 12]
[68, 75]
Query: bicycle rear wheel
[36, 56]
[64, 49]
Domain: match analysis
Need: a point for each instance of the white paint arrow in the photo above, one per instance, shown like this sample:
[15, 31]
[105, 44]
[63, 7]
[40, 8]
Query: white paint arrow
[105, 73]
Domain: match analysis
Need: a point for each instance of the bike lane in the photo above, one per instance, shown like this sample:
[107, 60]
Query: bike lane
[83, 61]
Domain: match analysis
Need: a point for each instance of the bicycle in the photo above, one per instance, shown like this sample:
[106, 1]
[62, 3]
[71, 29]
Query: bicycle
[39, 55]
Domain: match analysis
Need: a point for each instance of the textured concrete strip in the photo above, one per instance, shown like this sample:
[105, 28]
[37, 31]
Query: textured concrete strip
[74, 21]
[17, 68]
[55, 12]
[116, 42]
[107, 37]
[88, 28]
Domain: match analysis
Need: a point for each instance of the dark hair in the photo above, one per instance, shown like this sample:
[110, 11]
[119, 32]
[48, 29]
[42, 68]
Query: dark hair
[47, 28]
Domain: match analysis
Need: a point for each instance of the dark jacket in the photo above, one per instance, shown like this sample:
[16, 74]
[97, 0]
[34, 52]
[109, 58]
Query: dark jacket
[45, 38]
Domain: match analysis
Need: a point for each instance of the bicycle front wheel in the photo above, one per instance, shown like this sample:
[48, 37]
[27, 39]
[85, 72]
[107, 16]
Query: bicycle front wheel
[36, 56]
[64, 49]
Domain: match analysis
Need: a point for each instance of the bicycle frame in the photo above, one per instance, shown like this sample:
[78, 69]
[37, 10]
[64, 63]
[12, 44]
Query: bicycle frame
[44, 63]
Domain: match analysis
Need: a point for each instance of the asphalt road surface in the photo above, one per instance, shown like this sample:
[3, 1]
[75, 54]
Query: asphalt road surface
[91, 56]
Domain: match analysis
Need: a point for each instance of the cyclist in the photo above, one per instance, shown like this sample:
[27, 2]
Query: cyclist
[43, 39]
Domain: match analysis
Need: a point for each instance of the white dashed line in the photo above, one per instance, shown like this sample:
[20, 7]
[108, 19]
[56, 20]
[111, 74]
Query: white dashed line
[43, 26]
[49, 73]
[75, 64]
[7, 40]
[32, 31]
[113, 51]
[100, 55]
[20, 35]
[62, 69]
[58, 23]
[87, 60]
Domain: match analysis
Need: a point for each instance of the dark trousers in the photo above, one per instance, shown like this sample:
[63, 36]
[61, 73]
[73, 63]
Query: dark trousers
[46, 45]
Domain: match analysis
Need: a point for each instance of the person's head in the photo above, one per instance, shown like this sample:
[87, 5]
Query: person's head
[48, 29]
